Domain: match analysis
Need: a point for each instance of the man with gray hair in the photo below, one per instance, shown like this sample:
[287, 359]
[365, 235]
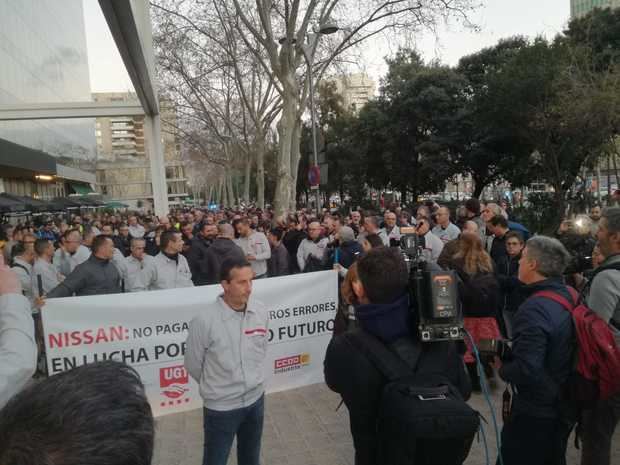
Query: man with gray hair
[222, 248]
[541, 359]
[603, 297]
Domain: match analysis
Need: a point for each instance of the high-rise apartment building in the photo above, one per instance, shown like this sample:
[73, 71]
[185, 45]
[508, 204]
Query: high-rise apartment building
[579, 8]
[43, 59]
[123, 167]
[356, 90]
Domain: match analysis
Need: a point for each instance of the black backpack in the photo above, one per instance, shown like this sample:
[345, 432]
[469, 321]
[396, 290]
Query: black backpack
[422, 418]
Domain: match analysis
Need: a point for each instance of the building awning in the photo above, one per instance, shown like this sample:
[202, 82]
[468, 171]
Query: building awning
[17, 156]
[81, 189]
[116, 205]
[8, 204]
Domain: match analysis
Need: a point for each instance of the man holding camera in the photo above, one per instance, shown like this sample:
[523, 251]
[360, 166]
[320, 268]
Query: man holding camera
[383, 313]
[540, 361]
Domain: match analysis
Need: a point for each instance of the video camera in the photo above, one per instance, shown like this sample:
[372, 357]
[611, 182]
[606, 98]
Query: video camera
[433, 293]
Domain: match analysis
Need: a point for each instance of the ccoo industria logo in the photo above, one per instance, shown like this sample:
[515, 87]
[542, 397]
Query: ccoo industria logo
[173, 382]
[294, 362]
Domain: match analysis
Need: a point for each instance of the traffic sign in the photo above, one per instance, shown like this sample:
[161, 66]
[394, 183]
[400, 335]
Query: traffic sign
[314, 176]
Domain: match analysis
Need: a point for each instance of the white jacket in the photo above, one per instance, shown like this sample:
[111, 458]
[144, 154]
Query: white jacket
[23, 270]
[50, 277]
[225, 354]
[169, 274]
[308, 247]
[256, 244]
[138, 273]
[65, 263]
[18, 351]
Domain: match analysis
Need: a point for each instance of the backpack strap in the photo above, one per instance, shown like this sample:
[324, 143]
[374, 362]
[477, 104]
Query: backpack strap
[384, 360]
[17, 265]
[561, 299]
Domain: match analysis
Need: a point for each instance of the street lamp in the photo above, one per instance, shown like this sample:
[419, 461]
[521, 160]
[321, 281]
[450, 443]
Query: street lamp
[308, 50]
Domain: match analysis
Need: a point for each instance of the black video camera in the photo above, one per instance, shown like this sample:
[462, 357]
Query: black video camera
[433, 294]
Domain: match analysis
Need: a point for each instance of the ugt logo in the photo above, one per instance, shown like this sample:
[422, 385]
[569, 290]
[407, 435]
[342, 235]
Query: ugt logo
[173, 381]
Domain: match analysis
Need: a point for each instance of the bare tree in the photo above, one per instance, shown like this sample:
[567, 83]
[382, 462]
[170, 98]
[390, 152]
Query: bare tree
[281, 34]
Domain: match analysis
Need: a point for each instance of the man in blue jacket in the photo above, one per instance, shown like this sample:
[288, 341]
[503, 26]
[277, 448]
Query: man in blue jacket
[541, 360]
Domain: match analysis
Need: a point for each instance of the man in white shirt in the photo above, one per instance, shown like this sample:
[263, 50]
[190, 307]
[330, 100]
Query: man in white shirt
[171, 269]
[432, 244]
[445, 230]
[18, 351]
[390, 230]
[313, 246]
[71, 252]
[226, 349]
[139, 267]
[255, 246]
[43, 268]
[135, 229]
[23, 258]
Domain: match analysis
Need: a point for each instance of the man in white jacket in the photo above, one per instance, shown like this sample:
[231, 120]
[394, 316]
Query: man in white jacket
[18, 351]
[226, 348]
[312, 246]
[255, 246]
[170, 269]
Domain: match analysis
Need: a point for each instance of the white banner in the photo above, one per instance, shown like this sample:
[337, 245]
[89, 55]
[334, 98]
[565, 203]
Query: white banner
[147, 330]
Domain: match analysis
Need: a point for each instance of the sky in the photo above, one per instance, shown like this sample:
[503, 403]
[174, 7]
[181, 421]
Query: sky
[496, 19]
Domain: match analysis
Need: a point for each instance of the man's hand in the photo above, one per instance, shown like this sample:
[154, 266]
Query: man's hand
[250, 257]
[39, 302]
[9, 282]
[337, 266]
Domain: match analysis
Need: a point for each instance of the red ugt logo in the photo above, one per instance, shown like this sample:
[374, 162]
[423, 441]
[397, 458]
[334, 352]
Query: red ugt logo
[171, 380]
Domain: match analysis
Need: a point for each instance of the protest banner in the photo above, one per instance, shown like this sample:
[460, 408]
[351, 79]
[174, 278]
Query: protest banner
[147, 330]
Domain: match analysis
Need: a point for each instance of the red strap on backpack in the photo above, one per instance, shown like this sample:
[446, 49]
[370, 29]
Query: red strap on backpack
[560, 299]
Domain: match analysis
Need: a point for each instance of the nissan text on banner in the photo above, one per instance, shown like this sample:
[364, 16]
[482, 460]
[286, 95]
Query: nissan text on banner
[147, 330]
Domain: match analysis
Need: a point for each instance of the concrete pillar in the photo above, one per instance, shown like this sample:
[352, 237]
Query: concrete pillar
[152, 136]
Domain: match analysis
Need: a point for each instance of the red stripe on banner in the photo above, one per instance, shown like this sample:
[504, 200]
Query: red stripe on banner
[256, 330]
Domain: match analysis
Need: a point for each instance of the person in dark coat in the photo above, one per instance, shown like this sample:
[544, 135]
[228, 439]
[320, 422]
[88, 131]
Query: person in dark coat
[221, 249]
[97, 275]
[347, 249]
[279, 262]
[382, 309]
[292, 239]
[123, 241]
[541, 360]
[507, 273]
[197, 254]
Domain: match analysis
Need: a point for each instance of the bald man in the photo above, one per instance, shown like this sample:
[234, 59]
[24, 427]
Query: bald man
[311, 251]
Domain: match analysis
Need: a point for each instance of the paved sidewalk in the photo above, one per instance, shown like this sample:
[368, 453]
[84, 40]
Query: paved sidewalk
[302, 427]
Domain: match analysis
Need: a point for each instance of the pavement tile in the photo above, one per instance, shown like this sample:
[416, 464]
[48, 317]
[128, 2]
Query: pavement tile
[302, 427]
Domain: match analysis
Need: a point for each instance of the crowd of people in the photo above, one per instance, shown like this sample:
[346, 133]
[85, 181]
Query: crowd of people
[501, 272]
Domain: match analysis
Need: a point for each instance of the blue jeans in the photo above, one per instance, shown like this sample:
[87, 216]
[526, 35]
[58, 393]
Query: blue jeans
[220, 430]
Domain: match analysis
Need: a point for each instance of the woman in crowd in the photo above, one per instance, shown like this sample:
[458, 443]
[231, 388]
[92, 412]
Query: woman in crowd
[479, 293]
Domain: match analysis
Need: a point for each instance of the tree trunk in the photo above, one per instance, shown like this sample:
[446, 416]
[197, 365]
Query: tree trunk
[221, 196]
[295, 159]
[229, 188]
[260, 174]
[478, 188]
[246, 178]
[285, 184]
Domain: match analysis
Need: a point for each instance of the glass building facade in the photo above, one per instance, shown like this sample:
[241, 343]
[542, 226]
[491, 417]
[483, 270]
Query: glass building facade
[43, 59]
[579, 8]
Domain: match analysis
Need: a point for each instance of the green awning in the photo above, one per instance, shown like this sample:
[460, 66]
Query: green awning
[115, 205]
[81, 189]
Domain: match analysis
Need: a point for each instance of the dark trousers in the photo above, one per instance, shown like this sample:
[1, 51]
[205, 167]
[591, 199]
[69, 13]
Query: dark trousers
[220, 430]
[598, 430]
[530, 440]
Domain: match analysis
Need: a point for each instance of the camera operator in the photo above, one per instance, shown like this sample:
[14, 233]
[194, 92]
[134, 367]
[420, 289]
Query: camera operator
[540, 360]
[575, 236]
[382, 310]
